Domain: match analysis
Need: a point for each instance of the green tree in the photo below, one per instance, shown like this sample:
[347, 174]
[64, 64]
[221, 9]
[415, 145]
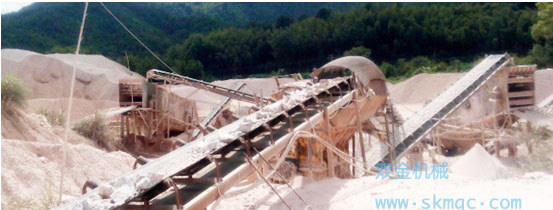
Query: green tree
[14, 91]
[359, 51]
[283, 21]
[323, 13]
[542, 32]
[192, 68]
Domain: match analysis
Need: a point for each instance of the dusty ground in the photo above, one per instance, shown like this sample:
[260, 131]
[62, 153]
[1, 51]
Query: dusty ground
[361, 193]
[482, 180]
[32, 156]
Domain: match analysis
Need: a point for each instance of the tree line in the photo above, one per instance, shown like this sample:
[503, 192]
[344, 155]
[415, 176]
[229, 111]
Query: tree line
[402, 38]
[437, 33]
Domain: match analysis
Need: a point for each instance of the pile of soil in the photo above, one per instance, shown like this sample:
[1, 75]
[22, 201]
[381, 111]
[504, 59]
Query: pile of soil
[426, 86]
[479, 164]
[412, 94]
[49, 75]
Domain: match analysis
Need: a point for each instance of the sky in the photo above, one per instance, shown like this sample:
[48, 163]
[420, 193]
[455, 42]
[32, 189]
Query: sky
[7, 7]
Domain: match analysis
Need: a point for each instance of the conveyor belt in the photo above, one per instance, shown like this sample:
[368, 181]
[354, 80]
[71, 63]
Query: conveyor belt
[215, 112]
[179, 79]
[197, 166]
[414, 128]
[193, 166]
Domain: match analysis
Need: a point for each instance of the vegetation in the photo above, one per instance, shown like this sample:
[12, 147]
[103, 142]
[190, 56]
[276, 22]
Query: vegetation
[14, 92]
[54, 117]
[542, 32]
[54, 27]
[358, 51]
[46, 200]
[230, 40]
[96, 129]
[442, 33]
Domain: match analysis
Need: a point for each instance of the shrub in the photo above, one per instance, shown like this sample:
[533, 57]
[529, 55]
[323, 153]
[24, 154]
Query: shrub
[96, 129]
[14, 91]
[47, 200]
[360, 51]
[54, 117]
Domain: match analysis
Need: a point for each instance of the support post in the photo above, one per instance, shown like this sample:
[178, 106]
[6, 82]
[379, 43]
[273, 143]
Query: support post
[391, 151]
[353, 154]
[127, 124]
[277, 83]
[329, 154]
[528, 142]
[121, 125]
[360, 132]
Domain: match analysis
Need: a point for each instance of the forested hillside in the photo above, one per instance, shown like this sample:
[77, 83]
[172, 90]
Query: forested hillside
[221, 40]
[440, 32]
[53, 27]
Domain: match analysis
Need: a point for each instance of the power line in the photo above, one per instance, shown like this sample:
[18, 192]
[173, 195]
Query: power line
[137, 39]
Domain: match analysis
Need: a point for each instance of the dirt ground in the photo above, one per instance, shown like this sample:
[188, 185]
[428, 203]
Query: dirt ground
[475, 175]
[361, 193]
[32, 156]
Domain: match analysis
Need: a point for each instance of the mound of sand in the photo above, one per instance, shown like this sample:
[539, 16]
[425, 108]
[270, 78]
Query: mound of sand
[422, 87]
[412, 94]
[31, 157]
[479, 164]
[49, 76]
